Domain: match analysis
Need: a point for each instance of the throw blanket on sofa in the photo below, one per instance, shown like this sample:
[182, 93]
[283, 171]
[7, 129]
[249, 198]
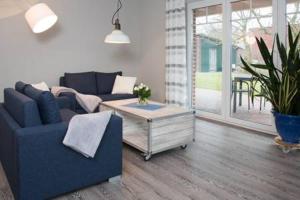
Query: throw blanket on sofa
[85, 132]
[88, 102]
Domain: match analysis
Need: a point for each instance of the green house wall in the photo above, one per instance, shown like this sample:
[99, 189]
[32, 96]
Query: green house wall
[205, 46]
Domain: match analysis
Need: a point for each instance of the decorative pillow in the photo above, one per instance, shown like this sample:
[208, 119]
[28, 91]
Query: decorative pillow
[124, 85]
[84, 83]
[48, 107]
[20, 86]
[105, 81]
[41, 86]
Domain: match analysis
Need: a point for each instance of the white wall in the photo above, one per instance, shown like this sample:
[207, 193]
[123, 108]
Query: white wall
[75, 43]
[152, 63]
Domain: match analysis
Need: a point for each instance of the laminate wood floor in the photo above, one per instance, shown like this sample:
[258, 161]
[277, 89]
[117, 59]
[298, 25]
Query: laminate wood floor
[223, 163]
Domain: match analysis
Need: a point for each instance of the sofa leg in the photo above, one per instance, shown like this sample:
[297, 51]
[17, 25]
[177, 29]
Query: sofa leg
[116, 179]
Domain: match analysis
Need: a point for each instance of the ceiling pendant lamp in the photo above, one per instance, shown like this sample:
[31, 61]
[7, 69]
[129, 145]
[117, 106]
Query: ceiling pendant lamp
[117, 36]
[40, 17]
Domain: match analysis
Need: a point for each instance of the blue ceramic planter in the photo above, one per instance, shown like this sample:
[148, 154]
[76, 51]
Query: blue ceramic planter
[288, 127]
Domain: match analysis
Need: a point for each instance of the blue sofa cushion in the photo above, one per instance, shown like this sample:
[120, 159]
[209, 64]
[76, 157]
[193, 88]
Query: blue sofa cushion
[113, 97]
[23, 109]
[84, 83]
[63, 102]
[20, 86]
[71, 98]
[67, 114]
[48, 107]
[105, 82]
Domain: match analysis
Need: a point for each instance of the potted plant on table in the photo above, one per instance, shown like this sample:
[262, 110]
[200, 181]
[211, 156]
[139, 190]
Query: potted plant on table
[281, 86]
[143, 92]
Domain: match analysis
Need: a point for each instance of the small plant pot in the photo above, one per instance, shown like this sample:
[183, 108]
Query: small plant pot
[288, 127]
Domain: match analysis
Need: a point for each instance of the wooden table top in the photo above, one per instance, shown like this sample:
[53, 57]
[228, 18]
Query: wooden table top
[164, 112]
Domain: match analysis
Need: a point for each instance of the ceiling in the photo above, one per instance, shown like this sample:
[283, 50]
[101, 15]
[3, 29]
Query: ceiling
[10, 8]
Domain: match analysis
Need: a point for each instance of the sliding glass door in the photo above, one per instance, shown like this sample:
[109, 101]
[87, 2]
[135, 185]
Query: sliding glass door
[250, 19]
[207, 58]
[219, 33]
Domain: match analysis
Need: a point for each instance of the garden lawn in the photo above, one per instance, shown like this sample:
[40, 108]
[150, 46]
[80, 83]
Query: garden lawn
[209, 80]
[213, 81]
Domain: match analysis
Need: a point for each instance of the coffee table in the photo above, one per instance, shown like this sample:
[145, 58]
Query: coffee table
[155, 127]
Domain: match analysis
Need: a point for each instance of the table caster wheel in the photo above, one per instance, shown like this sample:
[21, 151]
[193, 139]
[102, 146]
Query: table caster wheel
[147, 157]
[285, 149]
[183, 146]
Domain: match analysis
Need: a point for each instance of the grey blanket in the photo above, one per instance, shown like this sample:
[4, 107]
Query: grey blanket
[85, 132]
[88, 102]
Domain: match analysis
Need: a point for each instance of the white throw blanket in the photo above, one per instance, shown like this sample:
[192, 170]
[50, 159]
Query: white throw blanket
[88, 102]
[85, 132]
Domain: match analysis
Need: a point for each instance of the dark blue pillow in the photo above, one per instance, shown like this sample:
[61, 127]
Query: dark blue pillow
[20, 86]
[84, 83]
[48, 107]
[105, 82]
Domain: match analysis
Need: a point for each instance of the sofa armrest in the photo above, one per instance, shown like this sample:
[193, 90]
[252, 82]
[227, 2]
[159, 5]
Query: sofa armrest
[72, 99]
[41, 156]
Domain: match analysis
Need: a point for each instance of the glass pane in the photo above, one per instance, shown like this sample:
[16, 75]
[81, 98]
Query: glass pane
[200, 15]
[245, 29]
[214, 13]
[293, 15]
[240, 10]
[208, 60]
[261, 8]
[292, 6]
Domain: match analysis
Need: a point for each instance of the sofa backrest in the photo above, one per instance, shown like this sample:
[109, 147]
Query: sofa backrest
[95, 83]
[22, 108]
[105, 82]
[84, 83]
[62, 81]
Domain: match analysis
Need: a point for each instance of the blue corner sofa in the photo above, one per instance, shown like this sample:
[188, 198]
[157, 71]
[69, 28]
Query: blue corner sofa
[93, 83]
[38, 166]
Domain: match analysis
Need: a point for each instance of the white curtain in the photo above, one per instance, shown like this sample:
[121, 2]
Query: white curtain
[176, 67]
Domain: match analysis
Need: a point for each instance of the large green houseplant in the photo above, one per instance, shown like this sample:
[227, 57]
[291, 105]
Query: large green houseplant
[281, 85]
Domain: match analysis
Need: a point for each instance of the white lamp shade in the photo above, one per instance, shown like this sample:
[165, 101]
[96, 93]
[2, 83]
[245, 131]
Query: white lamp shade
[40, 18]
[117, 37]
